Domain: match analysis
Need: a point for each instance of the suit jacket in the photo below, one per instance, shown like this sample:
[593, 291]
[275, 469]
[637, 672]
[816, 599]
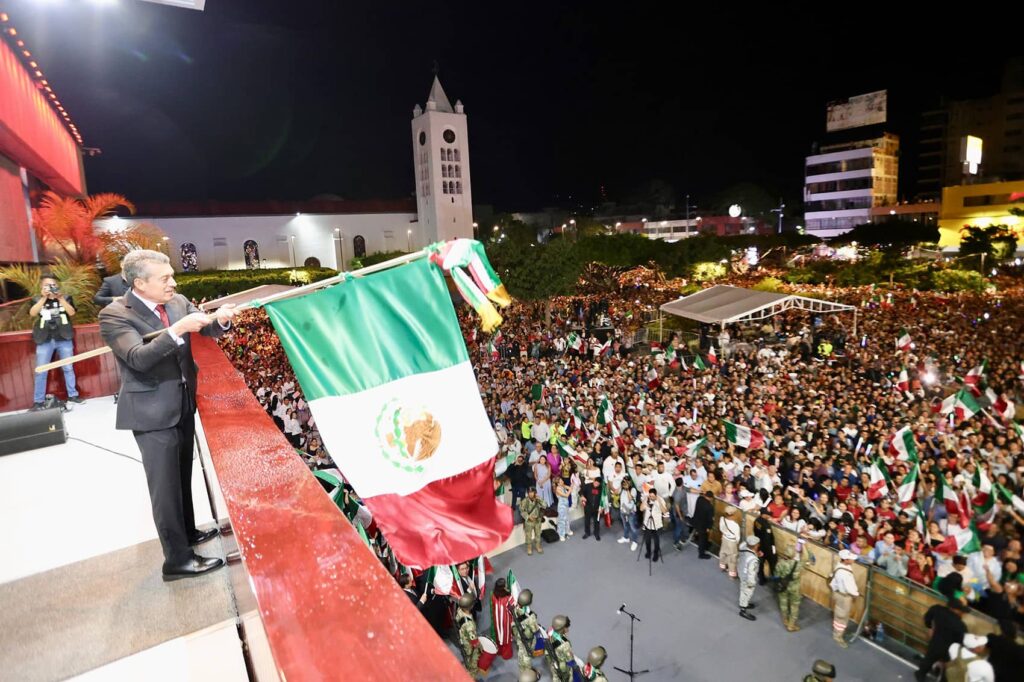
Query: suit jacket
[151, 371]
[111, 288]
[703, 513]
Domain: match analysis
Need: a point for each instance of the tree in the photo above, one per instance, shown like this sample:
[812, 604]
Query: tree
[65, 224]
[897, 233]
[78, 280]
[992, 244]
[114, 244]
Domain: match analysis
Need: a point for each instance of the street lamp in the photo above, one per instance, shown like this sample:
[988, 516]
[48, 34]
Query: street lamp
[778, 210]
[408, 240]
[339, 248]
[292, 242]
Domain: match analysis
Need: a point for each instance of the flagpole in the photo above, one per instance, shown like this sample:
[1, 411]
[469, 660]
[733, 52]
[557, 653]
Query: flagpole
[298, 291]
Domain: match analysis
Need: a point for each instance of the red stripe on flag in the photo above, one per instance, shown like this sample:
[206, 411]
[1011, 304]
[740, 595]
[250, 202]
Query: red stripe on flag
[446, 522]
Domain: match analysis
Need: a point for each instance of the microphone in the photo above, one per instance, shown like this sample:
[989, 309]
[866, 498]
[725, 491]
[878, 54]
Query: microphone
[619, 611]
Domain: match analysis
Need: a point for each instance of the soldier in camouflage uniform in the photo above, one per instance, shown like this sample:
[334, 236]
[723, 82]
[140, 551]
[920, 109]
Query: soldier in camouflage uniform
[592, 669]
[468, 642]
[525, 629]
[532, 509]
[559, 651]
[788, 571]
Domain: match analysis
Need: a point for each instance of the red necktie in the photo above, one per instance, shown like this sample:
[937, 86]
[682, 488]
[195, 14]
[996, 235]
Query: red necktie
[162, 312]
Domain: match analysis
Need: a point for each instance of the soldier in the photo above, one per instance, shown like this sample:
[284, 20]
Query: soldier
[559, 653]
[468, 642]
[749, 567]
[532, 510]
[530, 675]
[823, 671]
[526, 628]
[788, 571]
[592, 669]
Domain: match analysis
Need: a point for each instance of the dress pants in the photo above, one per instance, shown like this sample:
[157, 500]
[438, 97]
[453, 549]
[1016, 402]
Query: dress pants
[167, 459]
[591, 520]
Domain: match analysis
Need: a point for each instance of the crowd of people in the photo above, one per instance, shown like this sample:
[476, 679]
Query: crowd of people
[641, 433]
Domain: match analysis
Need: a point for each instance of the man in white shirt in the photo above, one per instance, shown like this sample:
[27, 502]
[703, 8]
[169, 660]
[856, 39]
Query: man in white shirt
[972, 650]
[541, 431]
[664, 483]
[608, 468]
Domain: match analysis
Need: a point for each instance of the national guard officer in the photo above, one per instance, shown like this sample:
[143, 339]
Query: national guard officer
[592, 669]
[468, 641]
[559, 651]
[526, 628]
[788, 571]
[532, 510]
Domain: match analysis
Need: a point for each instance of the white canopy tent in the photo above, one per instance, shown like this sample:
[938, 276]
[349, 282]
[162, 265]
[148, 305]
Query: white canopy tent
[723, 304]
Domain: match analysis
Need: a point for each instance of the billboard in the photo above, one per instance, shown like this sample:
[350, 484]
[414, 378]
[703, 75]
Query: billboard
[862, 110]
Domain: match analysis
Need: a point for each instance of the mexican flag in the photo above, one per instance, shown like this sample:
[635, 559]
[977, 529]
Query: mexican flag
[443, 579]
[604, 412]
[945, 494]
[984, 502]
[1019, 430]
[499, 337]
[879, 485]
[605, 348]
[574, 341]
[712, 355]
[743, 436]
[964, 541]
[604, 504]
[513, 586]
[907, 488]
[962, 404]
[493, 350]
[698, 362]
[903, 341]
[384, 367]
[1002, 406]
[903, 383]
[903, 445]
[566, 450]
[1018, 504]
[576, 417]
[693, 448]
[975, 376]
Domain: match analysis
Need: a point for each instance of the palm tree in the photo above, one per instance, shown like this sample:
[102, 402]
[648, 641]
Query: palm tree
[65, 224]
[77, 280]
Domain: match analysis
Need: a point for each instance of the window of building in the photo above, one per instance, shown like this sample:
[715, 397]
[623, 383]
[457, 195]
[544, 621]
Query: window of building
[458, 187]
[458, 171]
[252, 254]
[987, 200]
[457, 155]
[451, 171]
[189, 257]
[444, 171]
[444, 187]
[359, 246]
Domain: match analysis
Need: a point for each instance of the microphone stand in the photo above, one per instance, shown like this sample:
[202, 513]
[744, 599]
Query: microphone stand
[633, 620]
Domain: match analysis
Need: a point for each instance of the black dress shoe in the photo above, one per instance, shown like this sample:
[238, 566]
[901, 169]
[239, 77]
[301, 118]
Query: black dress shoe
[598, 538]
[748, 616]
[201, 536]
[705, 556]
[191, 567]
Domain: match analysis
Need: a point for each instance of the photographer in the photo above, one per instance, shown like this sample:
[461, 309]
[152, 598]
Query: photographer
[51, 330]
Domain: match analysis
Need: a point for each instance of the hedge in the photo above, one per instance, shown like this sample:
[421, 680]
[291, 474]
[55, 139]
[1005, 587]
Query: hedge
[212, 284]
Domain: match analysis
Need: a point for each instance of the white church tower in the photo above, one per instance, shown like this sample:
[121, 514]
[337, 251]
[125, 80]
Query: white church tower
[444, 196]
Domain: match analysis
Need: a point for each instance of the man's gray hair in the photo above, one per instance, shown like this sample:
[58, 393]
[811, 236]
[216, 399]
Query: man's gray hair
[136, 264]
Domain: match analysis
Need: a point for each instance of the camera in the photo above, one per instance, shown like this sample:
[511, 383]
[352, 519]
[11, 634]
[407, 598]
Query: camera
[52, 289]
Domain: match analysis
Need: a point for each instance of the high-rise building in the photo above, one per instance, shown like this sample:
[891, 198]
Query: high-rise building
[845, 180]
[440, 141]
[999, 122]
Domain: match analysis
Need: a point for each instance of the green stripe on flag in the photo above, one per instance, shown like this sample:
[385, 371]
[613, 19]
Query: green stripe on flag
[369, 331]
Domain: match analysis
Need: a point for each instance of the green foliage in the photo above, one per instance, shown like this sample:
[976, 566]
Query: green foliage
[80, 282]
[379, 257]
[990, 244]
[537, 271]
[770, 284]
[212, 284]
[708, 271]
[959, 280]
[898, 233]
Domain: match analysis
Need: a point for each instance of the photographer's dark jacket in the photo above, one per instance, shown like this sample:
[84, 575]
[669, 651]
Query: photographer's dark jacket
[53, 323]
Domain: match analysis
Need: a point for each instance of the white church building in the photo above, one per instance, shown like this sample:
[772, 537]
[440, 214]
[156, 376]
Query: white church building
[275, 234]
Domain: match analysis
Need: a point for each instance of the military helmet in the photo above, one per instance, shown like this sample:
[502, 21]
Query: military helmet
[559, 623]
[824, 668]
[525, 598]
[596, 656]
[466, 601]
[529, 675]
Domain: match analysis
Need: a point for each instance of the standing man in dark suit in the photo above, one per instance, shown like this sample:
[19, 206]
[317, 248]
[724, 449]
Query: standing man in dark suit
[703, 518]
[112, 288]
[158, 397]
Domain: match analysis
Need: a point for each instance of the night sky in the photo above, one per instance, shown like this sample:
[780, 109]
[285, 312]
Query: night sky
[259, 99]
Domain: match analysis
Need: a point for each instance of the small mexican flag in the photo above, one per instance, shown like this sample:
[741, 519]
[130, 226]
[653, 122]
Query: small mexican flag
[907, 488]
[984, 502]
[903, 341]
[384, 366]
[1018, 504]
[1002, 406]
[962, 404]
[698, 362]
[712, 355]
[493, 350]
[513, 586]
[975, 376]
[945, 494]
[604, 413]
[693, 448]
[566, 450]
[605, 348]
[576, 417]
[964, 541]
[604, 505]
[903, 445]
[499, 337]
[903, 383]
[879, 485]
[1019, 430]
[743, 436]
[574, 341]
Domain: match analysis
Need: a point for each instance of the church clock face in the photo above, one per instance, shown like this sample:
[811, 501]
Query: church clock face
[449, 136]
[423, 138]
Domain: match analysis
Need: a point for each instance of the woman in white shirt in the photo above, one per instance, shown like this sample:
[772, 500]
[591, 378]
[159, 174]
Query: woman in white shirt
[293, 429]
[793, 522]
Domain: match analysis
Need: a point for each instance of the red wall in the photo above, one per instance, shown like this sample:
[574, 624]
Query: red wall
[15, 239]
[329, 608]
[94, 377]
[31, 133]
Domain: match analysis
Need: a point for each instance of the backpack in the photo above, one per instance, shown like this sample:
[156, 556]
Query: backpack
[956, 669]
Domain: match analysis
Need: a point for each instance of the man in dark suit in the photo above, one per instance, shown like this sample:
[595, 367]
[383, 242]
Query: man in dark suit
[112, 288]
[158, 397]
[703, 518]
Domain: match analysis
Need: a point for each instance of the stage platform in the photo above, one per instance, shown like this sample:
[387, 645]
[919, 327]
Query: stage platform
[80, 586]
